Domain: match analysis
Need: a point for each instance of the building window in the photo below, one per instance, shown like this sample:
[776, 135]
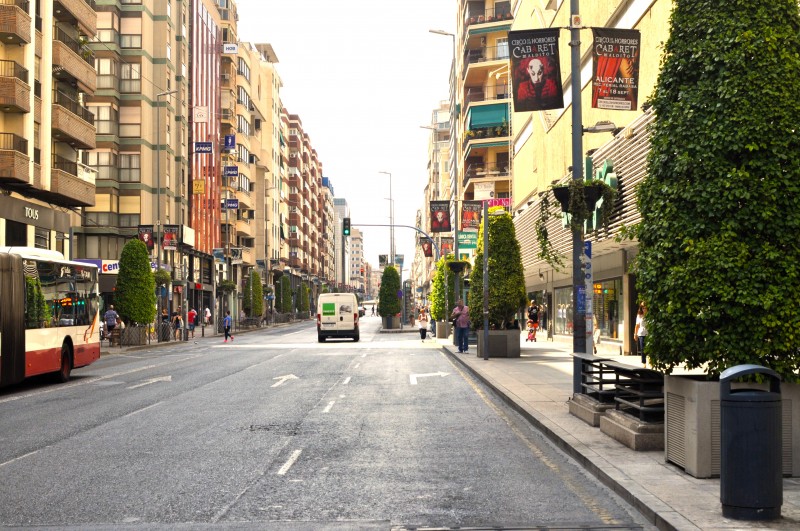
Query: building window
[131, 79]
[129, 220]
[129, 167]
[41, 238]
[106, 119]
[105, 162]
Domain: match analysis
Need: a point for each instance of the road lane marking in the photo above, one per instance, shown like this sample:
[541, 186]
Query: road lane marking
[94, 379]
[283, 379]
[19, 458]
[413, 377]
[329, 406]
[346, 381]
[357, 366]
[152, 381]
[288, 464]
[132, 413]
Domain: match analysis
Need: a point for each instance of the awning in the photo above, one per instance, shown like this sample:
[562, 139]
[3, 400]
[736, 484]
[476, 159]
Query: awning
[488, 115]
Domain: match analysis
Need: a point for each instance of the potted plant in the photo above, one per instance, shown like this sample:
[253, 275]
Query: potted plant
[389, 304]
[717, 253]
[135, 292]
[506, 289]
[441, 305]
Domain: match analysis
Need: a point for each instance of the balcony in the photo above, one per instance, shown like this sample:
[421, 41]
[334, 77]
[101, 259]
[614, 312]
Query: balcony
[483, 54]
[248, 256]
[14, 89]
[15, 24]
[72, 123]
[244, 229]
[73, 62]
[494, 92]
[67, 187]
[501, 13]
[485, 170]
[14, 159]
[77, 12]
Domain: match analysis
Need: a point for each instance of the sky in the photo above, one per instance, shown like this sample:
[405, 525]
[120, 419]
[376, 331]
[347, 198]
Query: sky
[363, 76]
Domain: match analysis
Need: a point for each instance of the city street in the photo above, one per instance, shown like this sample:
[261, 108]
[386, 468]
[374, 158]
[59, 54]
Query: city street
[274, 430]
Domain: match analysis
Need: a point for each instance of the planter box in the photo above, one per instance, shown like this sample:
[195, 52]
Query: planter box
[391, 322]
[133, 336]
[692, 425]
[443, 329]
[502, 343]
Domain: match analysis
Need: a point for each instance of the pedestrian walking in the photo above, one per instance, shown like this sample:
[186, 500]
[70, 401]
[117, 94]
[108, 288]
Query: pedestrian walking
[640, 331]
[461, 315]
[191, 317]
[208, 316]
[226, 325]
[533, 320]
[422, 322]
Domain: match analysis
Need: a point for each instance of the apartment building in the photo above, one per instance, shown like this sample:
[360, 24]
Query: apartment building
[357, 263]
[482, 95]
[439, 187]
[342, 244]
[47, 72]
[327, 262]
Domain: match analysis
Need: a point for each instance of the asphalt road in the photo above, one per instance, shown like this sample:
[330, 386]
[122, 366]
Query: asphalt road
[274, 430]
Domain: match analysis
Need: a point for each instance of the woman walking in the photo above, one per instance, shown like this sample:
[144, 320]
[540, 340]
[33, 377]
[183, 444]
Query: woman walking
[640, 331]
[422, 322]
[226, 325]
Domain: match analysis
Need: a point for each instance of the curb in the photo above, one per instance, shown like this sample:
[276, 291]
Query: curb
[630, 497]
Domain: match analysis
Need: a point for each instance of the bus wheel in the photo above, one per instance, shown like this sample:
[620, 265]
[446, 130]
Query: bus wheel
[66, 364]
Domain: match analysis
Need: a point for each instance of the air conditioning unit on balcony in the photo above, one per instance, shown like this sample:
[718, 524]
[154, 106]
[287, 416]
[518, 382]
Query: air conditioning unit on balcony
[226, 77]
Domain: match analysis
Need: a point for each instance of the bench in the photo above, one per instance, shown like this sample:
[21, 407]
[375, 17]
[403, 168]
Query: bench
[638, 391]
[634, 390]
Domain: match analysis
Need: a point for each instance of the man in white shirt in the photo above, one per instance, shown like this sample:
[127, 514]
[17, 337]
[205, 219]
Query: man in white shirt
[208, 315]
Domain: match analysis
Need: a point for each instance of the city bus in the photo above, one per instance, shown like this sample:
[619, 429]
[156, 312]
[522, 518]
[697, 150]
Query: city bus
[49, 316]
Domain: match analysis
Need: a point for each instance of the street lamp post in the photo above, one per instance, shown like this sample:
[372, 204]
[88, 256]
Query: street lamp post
[391, 218]
[158, 200]
[485, 280]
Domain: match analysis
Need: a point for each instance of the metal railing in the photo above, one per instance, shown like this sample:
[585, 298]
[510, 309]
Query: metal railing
[73, 107]
[83, 52]
[22, 4]
[13, 69]
[65, 165]
[483, 54]
[12, 142]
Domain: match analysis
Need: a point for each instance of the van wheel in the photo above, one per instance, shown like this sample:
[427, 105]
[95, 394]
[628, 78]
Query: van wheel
[356, 338]
[63, 373]
[321, 339]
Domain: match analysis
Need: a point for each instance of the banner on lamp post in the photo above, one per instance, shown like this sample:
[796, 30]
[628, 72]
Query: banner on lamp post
[427, 248]
[440, 216]
[535, 70]
[615, 76]
[470, 216]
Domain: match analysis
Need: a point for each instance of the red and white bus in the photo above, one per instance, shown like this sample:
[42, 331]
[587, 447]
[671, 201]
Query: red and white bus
[49, 315]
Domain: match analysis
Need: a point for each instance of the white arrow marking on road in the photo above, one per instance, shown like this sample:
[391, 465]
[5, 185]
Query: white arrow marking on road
[413, 377]
[152, 381]
[283, 379]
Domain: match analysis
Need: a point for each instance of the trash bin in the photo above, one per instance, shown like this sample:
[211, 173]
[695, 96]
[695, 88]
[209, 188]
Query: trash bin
[751, 482]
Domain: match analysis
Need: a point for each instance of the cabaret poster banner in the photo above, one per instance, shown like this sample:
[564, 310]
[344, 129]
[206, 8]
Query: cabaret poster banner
[447, 245]
[536, 70]
[471, 215]
[146, 236]
[615, 80]
[440, 216]
[169, 240]
[427, 248]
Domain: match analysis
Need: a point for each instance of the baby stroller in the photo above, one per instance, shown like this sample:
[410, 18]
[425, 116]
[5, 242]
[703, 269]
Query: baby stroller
[532, 327]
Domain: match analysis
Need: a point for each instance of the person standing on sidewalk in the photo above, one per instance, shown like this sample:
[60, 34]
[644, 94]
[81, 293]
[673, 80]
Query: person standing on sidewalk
[226, 325]
[461, 315]
[422, 322]
[640, 331]
[191, 319]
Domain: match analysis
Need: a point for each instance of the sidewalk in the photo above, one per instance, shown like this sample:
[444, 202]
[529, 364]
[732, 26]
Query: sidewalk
[538, 384]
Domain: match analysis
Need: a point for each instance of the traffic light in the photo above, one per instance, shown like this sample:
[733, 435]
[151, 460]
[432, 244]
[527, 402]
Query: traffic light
[346, 226]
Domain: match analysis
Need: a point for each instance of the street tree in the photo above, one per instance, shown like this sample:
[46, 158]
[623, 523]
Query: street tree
[719, 255]
[135, 294]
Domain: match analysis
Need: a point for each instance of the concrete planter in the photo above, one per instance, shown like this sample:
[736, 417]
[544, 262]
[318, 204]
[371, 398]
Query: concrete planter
[390, 322]
[692, 425]
[502, 343]
[133, 336]
[443, 329]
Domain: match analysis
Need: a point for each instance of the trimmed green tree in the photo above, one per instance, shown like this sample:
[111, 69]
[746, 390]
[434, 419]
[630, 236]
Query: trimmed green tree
[135, 295]
[719, 255]
[253, 296]
[441, 276]
[302, 304]
[285, 295]
[506, 274]
[389, 304]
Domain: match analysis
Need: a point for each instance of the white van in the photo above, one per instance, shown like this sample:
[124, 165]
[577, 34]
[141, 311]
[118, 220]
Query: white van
[337, 316]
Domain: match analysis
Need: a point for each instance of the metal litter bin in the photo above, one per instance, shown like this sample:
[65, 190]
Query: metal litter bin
[751, 482]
